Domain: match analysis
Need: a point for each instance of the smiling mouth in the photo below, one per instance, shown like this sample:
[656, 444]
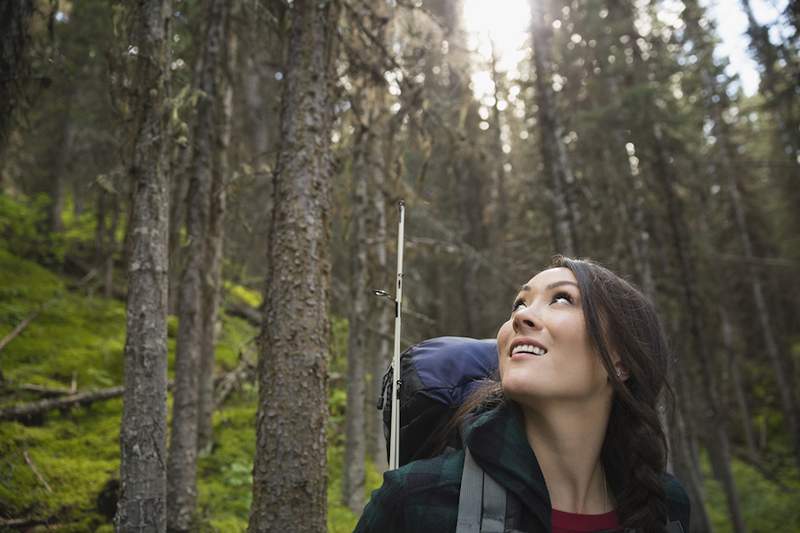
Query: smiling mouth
[530, 349]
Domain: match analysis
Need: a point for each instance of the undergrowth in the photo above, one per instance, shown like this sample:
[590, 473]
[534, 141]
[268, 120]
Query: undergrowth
[79, 337]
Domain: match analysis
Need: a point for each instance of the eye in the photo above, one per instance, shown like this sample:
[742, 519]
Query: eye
[562, 297]
[517, 304]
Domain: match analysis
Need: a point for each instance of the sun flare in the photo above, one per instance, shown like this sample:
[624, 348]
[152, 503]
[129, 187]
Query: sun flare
[501, 25]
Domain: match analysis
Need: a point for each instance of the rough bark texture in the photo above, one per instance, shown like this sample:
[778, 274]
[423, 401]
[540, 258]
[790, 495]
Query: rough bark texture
[212, 287]
[182, 464]
[14, 37]
[355, 444]
[554, 153]
[142, 505]
[289, 473]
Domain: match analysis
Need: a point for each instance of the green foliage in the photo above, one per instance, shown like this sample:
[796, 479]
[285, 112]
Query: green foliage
[225, 474]
[766, 507]
[239, 293]
[22, 222]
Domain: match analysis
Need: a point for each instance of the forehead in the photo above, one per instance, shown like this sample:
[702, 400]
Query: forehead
[543, 279]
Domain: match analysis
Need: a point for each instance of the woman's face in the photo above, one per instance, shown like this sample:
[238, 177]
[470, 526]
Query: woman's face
[544, 351]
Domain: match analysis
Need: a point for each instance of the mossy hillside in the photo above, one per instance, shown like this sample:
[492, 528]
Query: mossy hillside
[76, 452]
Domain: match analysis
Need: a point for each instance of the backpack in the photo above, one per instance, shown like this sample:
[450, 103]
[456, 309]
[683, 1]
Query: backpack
[436, 376]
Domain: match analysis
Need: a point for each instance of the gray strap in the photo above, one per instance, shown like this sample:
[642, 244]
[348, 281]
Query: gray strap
[469, 499]
[480, 495]
[674, 527]
[494, 506]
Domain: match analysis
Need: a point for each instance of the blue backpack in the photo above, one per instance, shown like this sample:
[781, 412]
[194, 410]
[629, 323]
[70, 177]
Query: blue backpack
[436, 375]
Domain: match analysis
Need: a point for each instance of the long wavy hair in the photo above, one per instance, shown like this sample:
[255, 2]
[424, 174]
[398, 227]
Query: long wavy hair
[619, 319]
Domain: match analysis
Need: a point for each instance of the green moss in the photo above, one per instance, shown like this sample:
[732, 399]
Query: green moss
[75, 455]
[241, 294]
[225, 474]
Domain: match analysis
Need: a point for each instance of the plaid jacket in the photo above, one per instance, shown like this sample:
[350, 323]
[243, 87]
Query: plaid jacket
[422, 496]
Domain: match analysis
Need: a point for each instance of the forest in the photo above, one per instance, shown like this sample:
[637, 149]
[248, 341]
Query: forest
[199, 201]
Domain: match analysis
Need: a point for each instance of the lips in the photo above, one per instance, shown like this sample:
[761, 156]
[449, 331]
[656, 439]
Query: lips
[528, 346]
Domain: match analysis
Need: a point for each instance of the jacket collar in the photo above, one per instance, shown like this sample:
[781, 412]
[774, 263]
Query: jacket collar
[499, 445]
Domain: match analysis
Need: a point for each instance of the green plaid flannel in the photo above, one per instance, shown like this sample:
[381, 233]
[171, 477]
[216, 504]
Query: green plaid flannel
[422, 496]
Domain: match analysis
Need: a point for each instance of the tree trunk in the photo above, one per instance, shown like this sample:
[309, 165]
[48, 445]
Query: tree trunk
[212, 294]
[111, 247]
[736, 383]
[182, 463]
[554, 152]
[499, 197]
[289, 472]
[355, 445]
[14, 37]
[684, 457]
[142, 505]
[381, 357]
[717, 438]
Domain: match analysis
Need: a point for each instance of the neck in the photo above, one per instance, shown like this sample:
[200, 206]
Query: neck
[567, 440]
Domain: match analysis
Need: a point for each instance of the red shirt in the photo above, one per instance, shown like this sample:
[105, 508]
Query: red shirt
[580, 523]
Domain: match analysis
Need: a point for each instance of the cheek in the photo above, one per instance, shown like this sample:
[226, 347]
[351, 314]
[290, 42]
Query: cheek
[503, 339]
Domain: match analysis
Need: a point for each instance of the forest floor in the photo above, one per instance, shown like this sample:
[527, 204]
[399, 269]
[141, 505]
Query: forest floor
[62, 468]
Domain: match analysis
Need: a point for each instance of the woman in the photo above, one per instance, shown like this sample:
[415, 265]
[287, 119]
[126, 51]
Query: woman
[571, 431]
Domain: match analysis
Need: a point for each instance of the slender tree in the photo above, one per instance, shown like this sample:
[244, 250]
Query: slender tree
[289, 472]
[142, 505]
[355, 444]
[557, 166]
[182, 462]
[212, 286]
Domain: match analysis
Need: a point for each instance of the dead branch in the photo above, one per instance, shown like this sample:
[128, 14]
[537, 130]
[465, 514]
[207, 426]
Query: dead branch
[46, 392]
[25, 523]
[36, 472]
[27, 320]
[232, 380]
[19, 328]
[21, 412]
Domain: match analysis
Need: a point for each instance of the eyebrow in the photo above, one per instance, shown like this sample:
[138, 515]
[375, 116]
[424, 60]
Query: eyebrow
[527, 288]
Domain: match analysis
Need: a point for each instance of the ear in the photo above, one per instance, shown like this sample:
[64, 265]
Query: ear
[621, 371]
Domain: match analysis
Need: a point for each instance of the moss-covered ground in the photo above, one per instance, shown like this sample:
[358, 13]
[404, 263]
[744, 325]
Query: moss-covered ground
[79, 336]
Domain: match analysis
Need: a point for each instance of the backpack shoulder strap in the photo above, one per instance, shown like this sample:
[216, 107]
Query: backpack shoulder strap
[674, 527]
[481, 502]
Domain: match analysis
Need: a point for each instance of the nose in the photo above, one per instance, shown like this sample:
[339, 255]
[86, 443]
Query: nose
[525, 318]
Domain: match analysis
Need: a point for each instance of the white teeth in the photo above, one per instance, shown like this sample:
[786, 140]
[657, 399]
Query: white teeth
[529, 348]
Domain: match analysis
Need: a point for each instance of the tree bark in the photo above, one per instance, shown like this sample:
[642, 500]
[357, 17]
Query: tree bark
[182, 463]
[355, 445]
[14, 38]
[141, 506]
[212, 288]
[289, 472]
[554, 153]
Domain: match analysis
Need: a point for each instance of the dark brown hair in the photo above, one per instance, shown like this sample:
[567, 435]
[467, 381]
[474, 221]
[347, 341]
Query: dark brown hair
[619, 319]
